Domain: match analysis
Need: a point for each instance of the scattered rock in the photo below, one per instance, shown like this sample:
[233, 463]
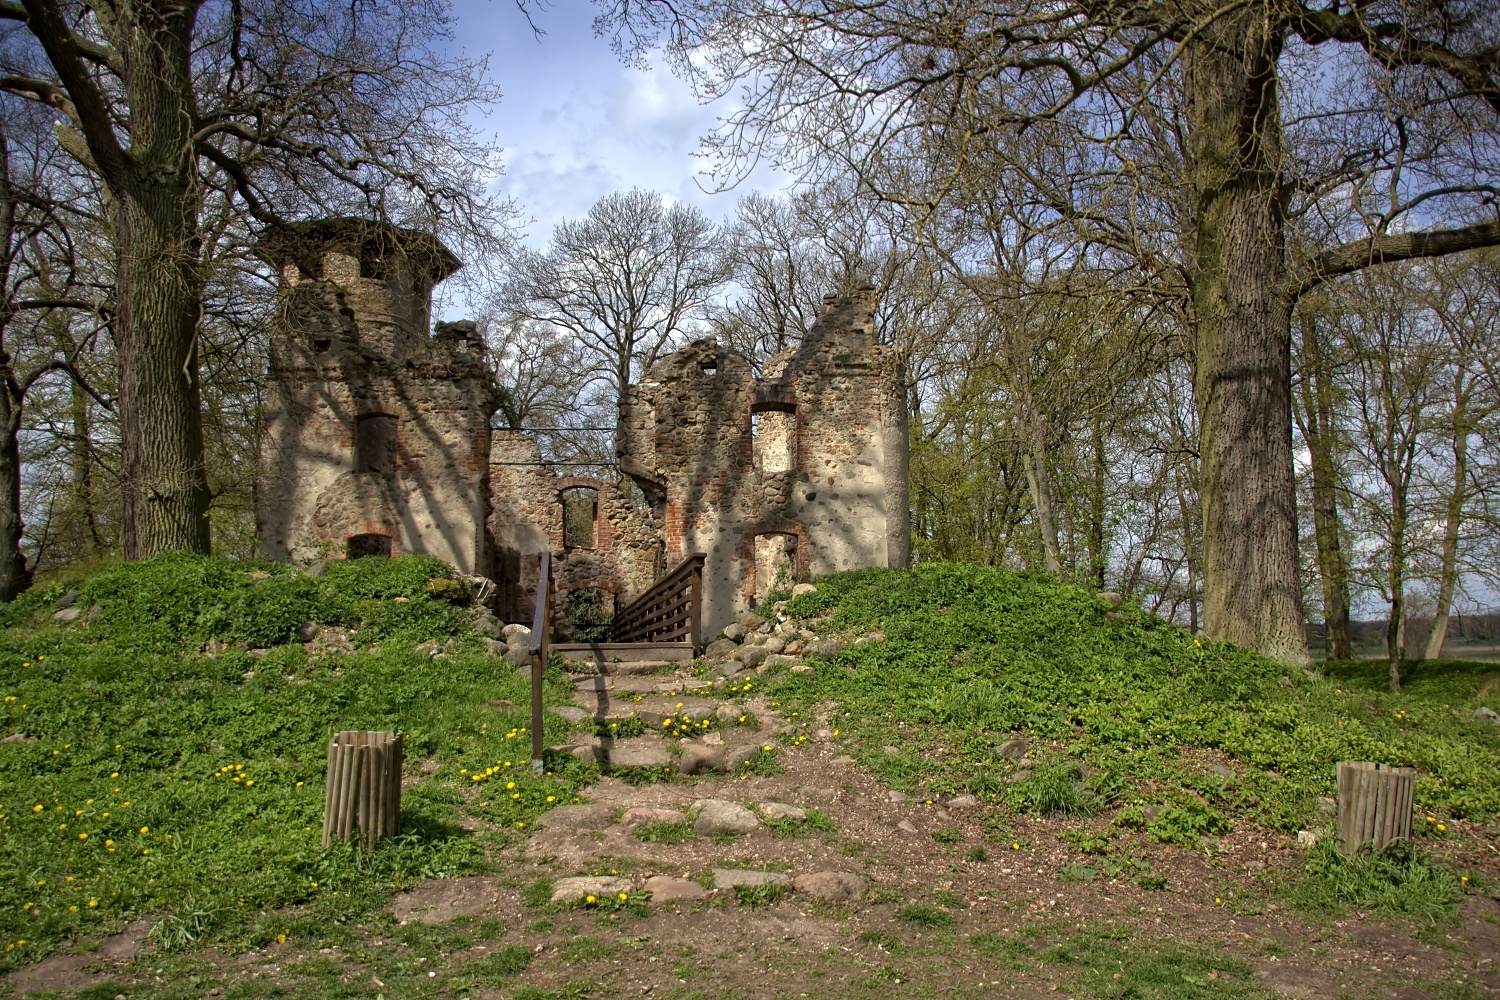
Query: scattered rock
[314, 570]
[517, 654]
[1327, 805]
[1111, 597]
[646, 753]
[665, 888]
[804, 588]
[734, 632]
[794, 647]
[1481, 712]
[573, 890]
[570, 712]
[719, 816]
[737, 756]
[727, 713]
[488, 626]
[728, 878]
[593, 816]
[896, 796]
[823, 735]
[93, 614]
[1013, 749]
[775, 644]
[750, 621]
[1223, 771]
[439, 900]
[819, 792]
[826, 648]
[721, 648]
[728, 671]
[1255, 866]
[750, 656]
[68, 614]
[15, 738]
[844, 761]
[67, 600]
[795, 668]
[782, 660]
[963, 802]
[890, 749]
[835, 887]
[699, 758]
[512, 630]
[1306, 838]
[875, 636]
[307, 631]
[445, 589]
[780, 810]
[639, 815]
[905, 826]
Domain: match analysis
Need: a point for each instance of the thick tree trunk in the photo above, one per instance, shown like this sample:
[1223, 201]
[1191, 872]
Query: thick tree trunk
[161, 432]
[15, 575]
[1318, 431]
[159, 293]
[1448, 571]
[1252, 596]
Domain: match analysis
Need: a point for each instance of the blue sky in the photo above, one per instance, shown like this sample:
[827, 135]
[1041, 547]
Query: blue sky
[576, 123]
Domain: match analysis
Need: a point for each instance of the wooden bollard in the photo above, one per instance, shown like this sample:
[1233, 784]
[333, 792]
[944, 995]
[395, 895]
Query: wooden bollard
[1375, 802]
[362, 796]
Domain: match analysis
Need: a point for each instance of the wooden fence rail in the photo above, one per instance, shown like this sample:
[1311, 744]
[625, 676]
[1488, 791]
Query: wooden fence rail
[671, 611]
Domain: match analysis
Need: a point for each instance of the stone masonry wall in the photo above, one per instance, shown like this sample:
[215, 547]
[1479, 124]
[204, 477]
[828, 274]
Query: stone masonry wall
[350, 341]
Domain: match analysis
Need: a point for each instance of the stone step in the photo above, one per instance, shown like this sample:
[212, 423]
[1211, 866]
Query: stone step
[605, 655]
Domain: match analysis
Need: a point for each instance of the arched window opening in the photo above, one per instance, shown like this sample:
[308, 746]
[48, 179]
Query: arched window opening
[375, 444]
[775, 563]
[773, 435]
[368, 547]
[580, 509]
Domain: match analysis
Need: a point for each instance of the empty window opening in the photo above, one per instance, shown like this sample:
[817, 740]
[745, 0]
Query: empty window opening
[774, 437]
[322, 345]
[368, 546]
[375, 443]
[709, 367]
[580, 509]
[588, 614]
[775, 563]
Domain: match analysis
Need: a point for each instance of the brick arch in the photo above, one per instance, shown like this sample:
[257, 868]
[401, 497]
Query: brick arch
[576, 482]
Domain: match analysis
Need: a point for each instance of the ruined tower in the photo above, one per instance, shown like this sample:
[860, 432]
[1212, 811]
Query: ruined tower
[377, 433]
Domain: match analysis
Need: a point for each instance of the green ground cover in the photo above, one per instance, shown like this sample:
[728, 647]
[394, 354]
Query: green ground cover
[155, 779]
[974, 655]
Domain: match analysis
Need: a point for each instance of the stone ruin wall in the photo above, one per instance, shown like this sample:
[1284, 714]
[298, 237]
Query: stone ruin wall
[802, 471]
[624, 552]
[378, 433]
[351, 361]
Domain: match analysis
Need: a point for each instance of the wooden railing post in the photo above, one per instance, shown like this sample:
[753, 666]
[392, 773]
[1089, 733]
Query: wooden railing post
[697, 612]
[541, 624]
[1374, 806]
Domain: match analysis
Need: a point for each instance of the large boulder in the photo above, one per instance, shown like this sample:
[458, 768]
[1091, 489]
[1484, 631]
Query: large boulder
[714, 816]
[750, 656]
[665, 888]
[641, 753]
[640, 815]
[734, 632]
[720, 648]
[780, 810]
[803, 588]
[750, 621]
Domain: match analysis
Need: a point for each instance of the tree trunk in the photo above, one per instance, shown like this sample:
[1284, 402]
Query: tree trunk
[1097, 555]
[1039, 478]
[15, 575]
[1318, 432]
[159, 293]
[1395, 625]
[83, 466]
[1448, 572]
[1241, 316]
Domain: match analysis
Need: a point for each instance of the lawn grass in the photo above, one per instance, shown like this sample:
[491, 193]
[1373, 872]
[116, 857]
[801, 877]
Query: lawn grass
[974, 655]
[159, 781]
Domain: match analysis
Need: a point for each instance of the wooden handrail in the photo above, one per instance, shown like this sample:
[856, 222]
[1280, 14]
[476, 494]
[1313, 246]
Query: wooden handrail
[541, 639]
[670, 610]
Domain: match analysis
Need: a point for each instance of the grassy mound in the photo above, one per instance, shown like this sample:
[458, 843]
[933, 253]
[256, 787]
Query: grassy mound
[1119, 703]
[146, 778]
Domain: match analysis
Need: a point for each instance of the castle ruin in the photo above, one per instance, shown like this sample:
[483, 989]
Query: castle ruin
[379, 441]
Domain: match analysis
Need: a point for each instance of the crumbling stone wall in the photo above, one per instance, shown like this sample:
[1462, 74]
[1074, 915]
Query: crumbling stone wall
[624, 555]
[798, 473]
[351, 358]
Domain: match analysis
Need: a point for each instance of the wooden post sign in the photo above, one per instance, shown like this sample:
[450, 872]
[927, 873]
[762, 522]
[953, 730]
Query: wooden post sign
[1375, 802]
[363, 792]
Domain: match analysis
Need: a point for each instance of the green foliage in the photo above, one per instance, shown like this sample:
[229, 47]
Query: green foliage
[130, 732]
[947, 835]
[924, 914]
[1400, 880]
[658, 832]
[760, 895]
[974, 654]
[587, 618]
